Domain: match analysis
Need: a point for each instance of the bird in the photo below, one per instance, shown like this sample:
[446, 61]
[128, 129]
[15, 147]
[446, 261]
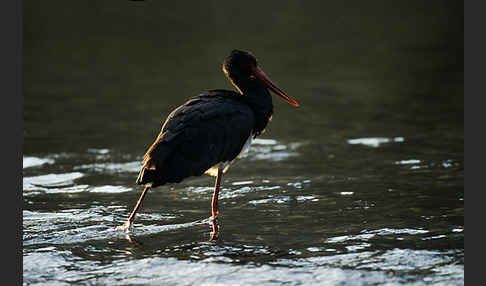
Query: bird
[208, 132]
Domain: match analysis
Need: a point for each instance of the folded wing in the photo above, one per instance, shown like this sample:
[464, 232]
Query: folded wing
[206, 130]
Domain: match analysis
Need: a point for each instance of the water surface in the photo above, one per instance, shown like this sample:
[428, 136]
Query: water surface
[361, 185]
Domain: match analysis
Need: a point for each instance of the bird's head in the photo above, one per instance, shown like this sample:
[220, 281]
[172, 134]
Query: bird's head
[241, 65]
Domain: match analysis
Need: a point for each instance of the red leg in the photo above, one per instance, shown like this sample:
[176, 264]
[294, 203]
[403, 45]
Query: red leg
[214, 205]
[128, 224]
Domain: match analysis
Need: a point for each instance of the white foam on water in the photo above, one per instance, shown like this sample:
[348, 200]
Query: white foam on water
[51, 180]
[34, 161]
[110, 189]
[406, 162]
[374, 141]
[129, 167]
[259, 141]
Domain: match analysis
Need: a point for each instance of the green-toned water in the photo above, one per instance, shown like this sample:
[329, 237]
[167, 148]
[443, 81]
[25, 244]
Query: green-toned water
[363, 184]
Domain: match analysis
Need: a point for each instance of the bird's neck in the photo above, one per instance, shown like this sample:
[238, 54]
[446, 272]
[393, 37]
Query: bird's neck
[257, 96]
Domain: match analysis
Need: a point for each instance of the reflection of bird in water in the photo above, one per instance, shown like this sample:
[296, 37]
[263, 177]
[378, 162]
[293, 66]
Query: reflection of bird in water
[205, 134]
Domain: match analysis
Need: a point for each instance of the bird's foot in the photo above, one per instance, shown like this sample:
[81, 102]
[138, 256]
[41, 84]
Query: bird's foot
[126, 227]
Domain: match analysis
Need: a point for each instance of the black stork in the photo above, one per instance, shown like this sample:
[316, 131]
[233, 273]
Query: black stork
[208, 132]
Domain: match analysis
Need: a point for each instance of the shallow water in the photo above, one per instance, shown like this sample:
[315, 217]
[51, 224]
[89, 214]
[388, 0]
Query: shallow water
[361, 185]
[303, 228]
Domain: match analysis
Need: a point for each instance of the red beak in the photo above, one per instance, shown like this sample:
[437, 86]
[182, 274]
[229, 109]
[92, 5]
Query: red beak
[263, 78]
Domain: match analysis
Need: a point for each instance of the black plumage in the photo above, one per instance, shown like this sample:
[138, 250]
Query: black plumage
[210, 130]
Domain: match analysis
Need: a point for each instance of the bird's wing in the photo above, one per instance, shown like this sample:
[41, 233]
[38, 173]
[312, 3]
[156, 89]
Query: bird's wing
[206, 130]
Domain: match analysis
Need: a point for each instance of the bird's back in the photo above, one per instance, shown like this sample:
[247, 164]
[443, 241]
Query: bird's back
[206, 130]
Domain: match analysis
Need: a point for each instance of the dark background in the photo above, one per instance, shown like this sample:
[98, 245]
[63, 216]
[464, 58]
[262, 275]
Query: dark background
[106, 73]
